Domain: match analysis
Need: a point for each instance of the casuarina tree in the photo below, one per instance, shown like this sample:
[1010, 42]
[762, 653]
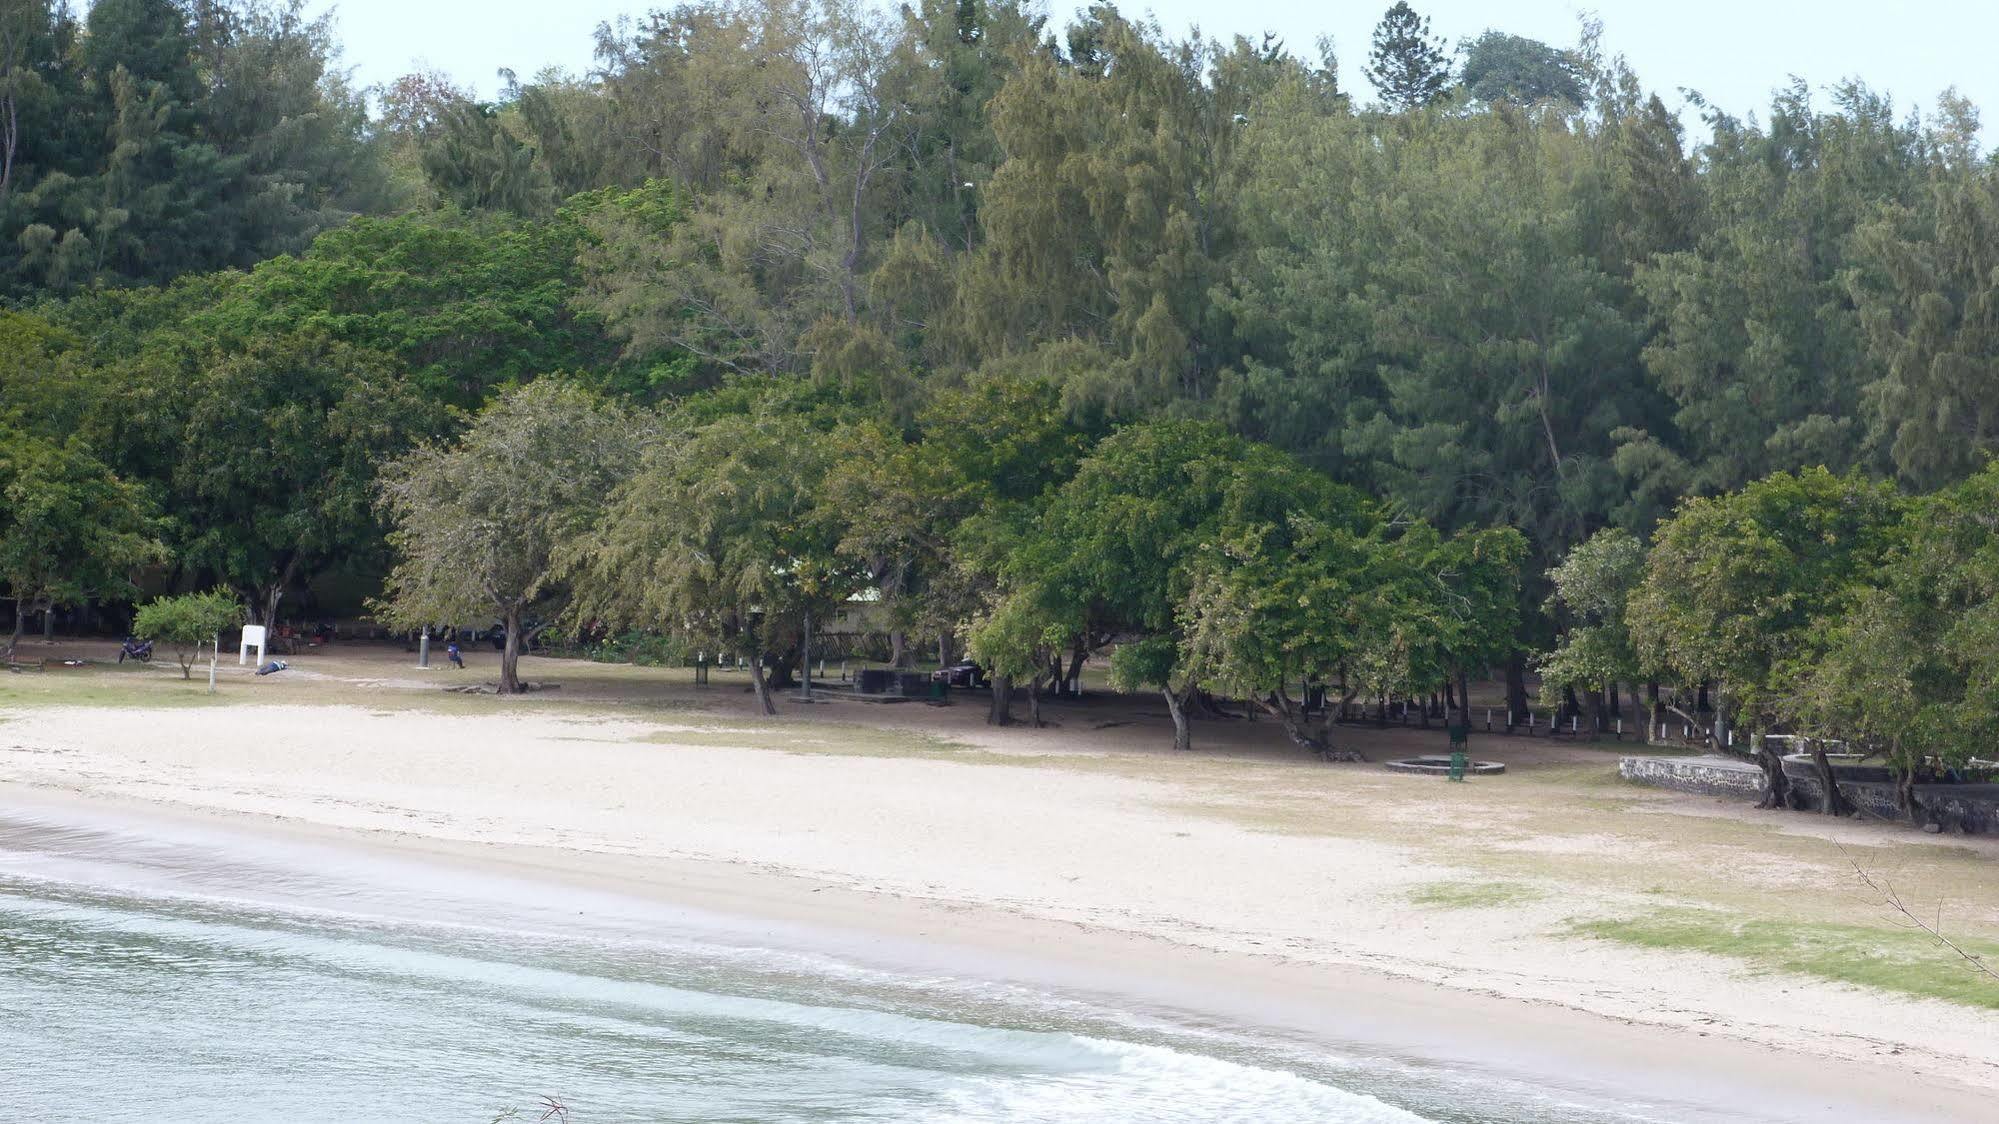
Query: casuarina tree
[1406, 64]
[477, 524]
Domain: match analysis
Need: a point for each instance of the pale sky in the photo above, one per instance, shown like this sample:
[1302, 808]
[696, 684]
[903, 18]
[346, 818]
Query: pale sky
[1733, 51]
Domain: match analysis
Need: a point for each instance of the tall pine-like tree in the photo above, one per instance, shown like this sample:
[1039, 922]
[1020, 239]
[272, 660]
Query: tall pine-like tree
[1406, 64]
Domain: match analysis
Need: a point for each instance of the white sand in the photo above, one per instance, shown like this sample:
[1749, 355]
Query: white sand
[1040, 839]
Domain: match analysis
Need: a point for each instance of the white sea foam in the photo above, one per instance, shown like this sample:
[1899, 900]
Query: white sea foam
[157, 973]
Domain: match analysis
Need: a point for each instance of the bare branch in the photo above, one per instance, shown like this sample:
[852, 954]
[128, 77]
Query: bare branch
[1893, 900]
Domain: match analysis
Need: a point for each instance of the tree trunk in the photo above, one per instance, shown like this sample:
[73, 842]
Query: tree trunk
[261, 601]
[1034, 702]
[10, 134]
[1596, 722]
[510, 656]
[1201, 704]
[1830, 802]
[943, 649]
[1905, 795]
[1076, 658]
[1516, 688]
[760, 684]
[784, 669]
[1318, 740]
[20, 621]
[1776, 786]
[1464, 699]
[1001, 713]
[898, 648]
[1183, 736]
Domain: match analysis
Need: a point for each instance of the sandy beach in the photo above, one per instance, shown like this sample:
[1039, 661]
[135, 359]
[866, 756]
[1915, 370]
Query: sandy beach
[1502, 921]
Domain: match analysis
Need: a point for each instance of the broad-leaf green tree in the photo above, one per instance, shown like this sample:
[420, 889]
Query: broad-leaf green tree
[1739, 589]
[187, 621]
[70, 529]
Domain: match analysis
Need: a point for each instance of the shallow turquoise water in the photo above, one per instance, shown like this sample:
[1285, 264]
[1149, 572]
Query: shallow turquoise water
[173, 978]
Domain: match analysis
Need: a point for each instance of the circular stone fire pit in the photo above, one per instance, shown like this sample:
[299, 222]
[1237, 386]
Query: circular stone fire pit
[1438, 766]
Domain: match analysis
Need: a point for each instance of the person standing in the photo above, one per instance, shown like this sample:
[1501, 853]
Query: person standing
[452, 653]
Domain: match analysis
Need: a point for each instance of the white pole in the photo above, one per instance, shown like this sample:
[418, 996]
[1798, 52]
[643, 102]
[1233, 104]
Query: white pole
[214, 647]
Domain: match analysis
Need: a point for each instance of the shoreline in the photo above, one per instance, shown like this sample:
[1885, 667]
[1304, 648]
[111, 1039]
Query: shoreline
[1533, 923]
[1334, 1006]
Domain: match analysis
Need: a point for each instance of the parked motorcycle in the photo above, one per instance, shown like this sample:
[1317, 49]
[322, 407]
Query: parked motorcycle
[134, 648]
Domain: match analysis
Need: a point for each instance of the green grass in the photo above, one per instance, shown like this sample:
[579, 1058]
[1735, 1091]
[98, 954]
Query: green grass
[1472, 895]
[104, 687]
[1908, 961]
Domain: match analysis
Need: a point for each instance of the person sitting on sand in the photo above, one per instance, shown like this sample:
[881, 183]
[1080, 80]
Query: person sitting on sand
[457, 659]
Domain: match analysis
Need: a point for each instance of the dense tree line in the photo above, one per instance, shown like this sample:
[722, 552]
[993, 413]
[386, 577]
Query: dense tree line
[956, 305]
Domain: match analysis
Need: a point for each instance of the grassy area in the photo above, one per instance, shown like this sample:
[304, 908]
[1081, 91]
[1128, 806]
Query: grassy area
[1473, 895]
[832, 740]
[1892, 959]
[130, 685]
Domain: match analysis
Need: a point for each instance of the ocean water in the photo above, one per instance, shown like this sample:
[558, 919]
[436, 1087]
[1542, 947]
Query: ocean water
[186, 974]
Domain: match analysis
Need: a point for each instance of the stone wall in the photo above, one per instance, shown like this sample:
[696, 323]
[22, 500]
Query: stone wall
[1709, 776]
[1969, 808]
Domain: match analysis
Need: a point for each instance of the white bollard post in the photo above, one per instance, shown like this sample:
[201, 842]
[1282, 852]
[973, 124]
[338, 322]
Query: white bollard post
[214, 653]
